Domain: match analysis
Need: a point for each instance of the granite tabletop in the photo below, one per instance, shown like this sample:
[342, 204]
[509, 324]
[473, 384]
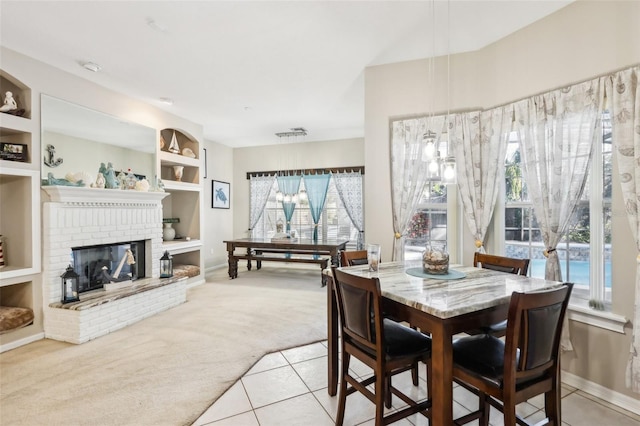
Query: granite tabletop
[445, 298]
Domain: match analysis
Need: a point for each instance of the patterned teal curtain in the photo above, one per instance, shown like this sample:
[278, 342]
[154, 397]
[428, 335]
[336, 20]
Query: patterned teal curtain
[316, 186]
[288, 185]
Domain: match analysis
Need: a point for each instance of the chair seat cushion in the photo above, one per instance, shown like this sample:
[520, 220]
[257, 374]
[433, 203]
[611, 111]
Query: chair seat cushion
[402, 340]
[499, 327]
[482, 355]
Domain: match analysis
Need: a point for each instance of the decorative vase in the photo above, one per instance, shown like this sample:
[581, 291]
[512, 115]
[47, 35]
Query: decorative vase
[168, 233]
[177, 173]
[435, 259]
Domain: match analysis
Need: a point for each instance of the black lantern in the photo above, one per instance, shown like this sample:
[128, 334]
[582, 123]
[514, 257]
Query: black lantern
[166, 265]
[69, 285]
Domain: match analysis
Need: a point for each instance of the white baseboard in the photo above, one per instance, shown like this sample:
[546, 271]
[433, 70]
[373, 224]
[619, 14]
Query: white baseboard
[623, 401]
[21, 342]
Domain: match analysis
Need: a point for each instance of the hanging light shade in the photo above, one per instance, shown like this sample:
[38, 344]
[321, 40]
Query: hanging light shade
[286, 198]
[449, 170]
[302, 195]
[279, 196]
[429, 148]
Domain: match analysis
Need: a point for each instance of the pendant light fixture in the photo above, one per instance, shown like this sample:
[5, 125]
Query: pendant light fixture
[281, 195]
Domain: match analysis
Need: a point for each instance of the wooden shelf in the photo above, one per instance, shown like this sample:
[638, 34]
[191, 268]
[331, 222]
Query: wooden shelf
[181, 246]
[170, 159]
[170, 185]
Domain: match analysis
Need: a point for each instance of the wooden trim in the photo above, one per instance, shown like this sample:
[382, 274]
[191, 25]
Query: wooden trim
[308, 171]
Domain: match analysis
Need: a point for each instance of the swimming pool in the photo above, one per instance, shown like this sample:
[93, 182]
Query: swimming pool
[579, 271]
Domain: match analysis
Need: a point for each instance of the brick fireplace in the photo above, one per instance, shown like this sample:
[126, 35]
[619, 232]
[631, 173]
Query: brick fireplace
[77, 217]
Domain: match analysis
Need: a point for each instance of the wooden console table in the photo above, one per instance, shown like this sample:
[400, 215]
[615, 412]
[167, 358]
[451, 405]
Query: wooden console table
[299, 251]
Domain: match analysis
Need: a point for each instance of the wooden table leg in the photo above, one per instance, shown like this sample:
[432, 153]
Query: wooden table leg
[233, 262]
[332, 338]
[442, 380]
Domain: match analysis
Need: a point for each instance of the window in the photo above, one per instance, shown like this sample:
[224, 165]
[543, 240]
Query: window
[334, 222]
[429, 223]
[585, 250]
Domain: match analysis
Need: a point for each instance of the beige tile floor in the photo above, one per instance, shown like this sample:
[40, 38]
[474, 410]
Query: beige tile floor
[290, 388]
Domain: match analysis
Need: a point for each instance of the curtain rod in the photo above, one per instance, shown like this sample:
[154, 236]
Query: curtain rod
[308, 171]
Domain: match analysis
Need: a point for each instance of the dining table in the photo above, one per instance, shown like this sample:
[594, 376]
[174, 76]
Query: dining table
[440, 305]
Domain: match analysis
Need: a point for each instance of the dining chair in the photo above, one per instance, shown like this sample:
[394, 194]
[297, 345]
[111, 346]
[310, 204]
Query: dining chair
[384, 345]
[353, 257]
[509, 265]
[504, 373]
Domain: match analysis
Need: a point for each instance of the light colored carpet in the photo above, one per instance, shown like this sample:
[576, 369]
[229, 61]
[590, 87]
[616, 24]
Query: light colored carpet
[169, 368]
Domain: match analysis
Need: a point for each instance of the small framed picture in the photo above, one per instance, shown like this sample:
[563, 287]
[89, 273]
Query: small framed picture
[14, 151]
[220, 196]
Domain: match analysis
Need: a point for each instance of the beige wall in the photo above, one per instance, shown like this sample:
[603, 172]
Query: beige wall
[217, 223]
[581, 41]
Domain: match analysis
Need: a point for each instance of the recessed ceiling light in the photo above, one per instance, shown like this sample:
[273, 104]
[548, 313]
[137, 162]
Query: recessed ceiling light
[91, 66]
[166, 101]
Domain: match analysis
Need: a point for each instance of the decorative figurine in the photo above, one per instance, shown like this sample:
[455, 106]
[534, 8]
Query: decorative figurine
[50, 180]
[188, 152]
[142, 185]
[9, 103]
[48, 160]
[110, 178]
[174, 147]
[100, 182]
[130, 180]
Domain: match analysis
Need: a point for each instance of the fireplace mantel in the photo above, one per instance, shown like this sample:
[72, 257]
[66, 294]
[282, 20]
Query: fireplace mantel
[75, 194]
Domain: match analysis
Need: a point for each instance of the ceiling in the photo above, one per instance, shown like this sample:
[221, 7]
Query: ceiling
[246, 70]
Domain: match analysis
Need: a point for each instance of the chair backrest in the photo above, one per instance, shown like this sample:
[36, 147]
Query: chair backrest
[359, 306]
[500, 263]
[353, 257]
[534, 326]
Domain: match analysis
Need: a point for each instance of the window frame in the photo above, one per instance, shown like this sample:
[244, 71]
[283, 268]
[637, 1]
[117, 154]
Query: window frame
[579, 306]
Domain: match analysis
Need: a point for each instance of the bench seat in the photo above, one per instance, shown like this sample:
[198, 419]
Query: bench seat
[292, 256]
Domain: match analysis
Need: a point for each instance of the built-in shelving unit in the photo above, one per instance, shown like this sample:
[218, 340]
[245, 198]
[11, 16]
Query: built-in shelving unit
[20, 278]
[184, 200]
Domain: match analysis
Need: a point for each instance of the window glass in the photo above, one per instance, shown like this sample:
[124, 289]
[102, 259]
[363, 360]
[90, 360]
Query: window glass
[585, 250]
[429, 223]
[334, 221]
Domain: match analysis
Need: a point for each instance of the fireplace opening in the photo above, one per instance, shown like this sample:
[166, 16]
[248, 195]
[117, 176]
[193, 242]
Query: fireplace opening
[101, 264]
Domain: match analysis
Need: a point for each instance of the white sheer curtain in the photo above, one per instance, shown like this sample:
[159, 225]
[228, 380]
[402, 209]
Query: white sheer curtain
[623, 93]
[349, 187]
[557, 131]
[259, 189]
[480, 142]
[409, 172]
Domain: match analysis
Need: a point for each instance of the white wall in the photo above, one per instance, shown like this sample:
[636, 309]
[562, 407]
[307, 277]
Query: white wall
[581, 41]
